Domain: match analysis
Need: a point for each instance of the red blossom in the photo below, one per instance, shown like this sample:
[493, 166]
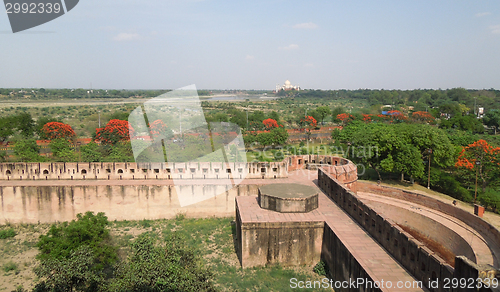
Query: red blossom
[270, 124]
[157, 128]
[310, 121]
[367, 118]
[114, 131]
[479, 150]
[54, 130]
[422, 116]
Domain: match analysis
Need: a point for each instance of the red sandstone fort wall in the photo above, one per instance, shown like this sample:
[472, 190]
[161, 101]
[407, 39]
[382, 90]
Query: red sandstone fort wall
[420, 261]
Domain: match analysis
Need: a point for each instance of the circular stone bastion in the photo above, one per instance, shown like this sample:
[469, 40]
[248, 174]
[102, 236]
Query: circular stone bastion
[288, 198]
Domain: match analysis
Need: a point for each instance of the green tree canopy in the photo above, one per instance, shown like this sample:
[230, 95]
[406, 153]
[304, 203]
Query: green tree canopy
[155, 267]
[26, 150]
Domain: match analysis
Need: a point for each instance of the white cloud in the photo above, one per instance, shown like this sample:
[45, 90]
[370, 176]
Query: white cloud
[290, 47]
[126, 37]
[481, 14]
[249, 57]
[495, 29]
[309, 65]
[306, 25]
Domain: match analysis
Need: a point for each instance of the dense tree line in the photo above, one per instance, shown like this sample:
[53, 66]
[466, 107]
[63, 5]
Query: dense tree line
[410, 149]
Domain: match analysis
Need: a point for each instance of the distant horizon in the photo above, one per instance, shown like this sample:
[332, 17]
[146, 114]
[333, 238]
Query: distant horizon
[239, 89]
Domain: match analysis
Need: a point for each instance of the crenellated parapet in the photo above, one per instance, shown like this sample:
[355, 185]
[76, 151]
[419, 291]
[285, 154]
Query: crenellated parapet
[342, 169]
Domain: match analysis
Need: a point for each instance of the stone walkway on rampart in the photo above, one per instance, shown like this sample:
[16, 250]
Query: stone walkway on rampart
[370, 255]
[300, 176]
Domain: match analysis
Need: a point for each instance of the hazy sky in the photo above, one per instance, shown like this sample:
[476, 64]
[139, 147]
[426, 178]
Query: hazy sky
[142, 44]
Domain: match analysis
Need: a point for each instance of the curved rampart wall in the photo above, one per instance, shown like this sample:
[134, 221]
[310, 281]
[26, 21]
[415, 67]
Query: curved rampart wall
[340, 168]
[428, 227]
[419, 260]
[491, 234]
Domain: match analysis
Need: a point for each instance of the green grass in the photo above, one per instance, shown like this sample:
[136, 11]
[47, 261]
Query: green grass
[7, 233]
[10, 266]
[213, 239]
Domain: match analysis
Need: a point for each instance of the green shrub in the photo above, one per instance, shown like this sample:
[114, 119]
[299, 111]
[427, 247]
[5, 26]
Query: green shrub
[10, 266]
[88, 230]
[155, 267]
[449, 185]
[7, 233]
[321, 268]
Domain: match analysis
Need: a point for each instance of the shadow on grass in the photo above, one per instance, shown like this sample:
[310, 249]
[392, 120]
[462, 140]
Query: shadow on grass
[235, 241]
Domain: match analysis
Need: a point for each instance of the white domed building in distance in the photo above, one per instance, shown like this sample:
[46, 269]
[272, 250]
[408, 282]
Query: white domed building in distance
[287, 87]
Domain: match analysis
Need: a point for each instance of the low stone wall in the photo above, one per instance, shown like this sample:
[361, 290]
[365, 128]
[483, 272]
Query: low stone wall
[342, 265]
[428, 227]
[421, 262]
[48, 204]
[491, 234]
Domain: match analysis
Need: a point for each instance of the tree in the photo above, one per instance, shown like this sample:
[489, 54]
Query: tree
[345, 118]
[55, 130]
[91, 152]
[367, 118]
[323, 112]
[74, 273]
[310, 122]
[76, 255]
[422, 117]
[42, 121]
[87, 230]
[159, 129]
[24, 123]
[279, 136]
[6, 128]
[492, 119]
[114, 132]
[275, 116]
[396, 116]
[120, 152]
[265, 139]
[396, 147]
[488, 162]
[464, 123]
[61, 150]
[155, 267]
[338, 110]
[27, 150]
[270, 124]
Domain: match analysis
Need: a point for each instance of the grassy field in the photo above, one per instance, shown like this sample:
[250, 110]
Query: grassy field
[213, 238]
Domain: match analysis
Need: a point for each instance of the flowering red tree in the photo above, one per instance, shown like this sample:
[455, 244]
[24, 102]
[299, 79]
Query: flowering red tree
[345, 118]
[114, 132]
[310, 121]
[423, 117]
[396, 116]
[482, 158]
[54, 130]
[367, 118]
[158, 128]
[270, 124]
